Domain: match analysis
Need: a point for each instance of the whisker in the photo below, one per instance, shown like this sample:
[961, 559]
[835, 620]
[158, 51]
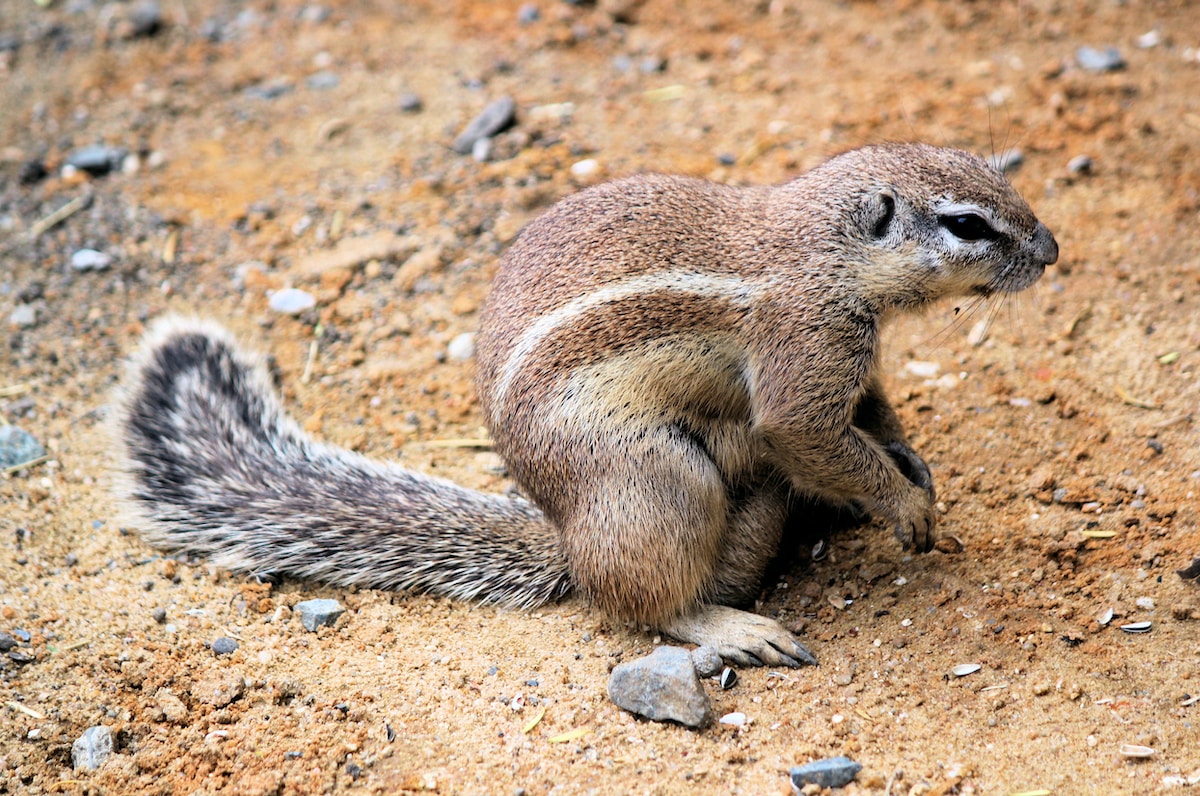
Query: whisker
[961, 318]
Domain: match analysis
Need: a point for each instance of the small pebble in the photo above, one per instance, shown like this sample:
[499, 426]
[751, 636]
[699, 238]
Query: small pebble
[733, 719]
[1155, 445]
[1151, 38]
[22, 634]
[707, 661]
[291, 301]
[18, 447]
[661, 686]
[7, 642]
[146, 19]
[23, 316]
[269, 89]
[410, 102]
[832, 772]
[32, 171]
[1096, 60]
[727, 158]
[90, 260]
[481, 150]
[1146, 603]
[314, 613]
[496, 117]
[323, 80]
[651, 64]
[1080, 164]
[97, 159]
[462, 347]
[528, 14]
[1007, 161]
[585, 168]
[91, 749]
[224, 646]
[159, 615]
[314, 14]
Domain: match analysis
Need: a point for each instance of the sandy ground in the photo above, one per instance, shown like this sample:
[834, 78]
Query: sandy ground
[270, 146]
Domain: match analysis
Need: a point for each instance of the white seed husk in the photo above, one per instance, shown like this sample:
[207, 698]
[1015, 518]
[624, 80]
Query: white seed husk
[1135, 751]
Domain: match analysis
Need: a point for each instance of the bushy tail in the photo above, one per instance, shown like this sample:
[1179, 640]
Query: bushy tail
[211, 465]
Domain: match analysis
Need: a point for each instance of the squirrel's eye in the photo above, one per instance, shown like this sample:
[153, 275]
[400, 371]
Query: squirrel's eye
[968, 226]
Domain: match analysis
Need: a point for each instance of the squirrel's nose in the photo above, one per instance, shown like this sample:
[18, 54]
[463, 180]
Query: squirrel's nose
[1045, 245]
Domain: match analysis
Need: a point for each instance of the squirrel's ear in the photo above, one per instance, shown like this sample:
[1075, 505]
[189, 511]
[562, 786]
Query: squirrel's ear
[878, 211]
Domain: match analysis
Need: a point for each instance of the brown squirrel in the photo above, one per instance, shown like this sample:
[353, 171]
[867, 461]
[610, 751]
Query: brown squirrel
[667, 365]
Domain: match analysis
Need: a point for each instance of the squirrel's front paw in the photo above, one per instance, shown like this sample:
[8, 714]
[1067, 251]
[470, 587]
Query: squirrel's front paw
[916, 519]
[740, 637]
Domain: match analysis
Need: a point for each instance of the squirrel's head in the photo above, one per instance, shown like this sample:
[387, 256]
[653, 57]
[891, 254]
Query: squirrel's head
[933, 222]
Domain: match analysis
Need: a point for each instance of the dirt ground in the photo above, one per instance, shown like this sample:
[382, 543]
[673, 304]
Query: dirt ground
[273, 144]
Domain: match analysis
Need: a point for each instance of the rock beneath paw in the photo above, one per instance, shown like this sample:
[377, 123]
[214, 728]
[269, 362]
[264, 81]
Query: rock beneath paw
[662, 686]
[707, 661]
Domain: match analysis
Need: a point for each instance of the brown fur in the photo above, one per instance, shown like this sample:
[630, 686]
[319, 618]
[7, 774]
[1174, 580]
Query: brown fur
[665, 364]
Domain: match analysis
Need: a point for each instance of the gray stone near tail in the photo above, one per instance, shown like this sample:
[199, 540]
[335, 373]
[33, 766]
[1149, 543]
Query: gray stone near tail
[314, 613]
[497, 116]
[91, 749]
[661, 686]
[18, 447]
[832, 772]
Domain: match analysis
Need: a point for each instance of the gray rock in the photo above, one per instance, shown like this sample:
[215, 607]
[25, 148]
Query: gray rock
[314, 14]
[832, 772]
[528, 14]
[323, 80]
[18, 447]
[146, 19]
[31, 171]
[707, 661]
[23, 316]
[97, 160]
[662, 686]
[224, 646]
[496, 117]
[269, 89]
[314, 613]
[7, 642]
[410, 102]
[1007, 161]
[1095, 60]
[91, 749]
[1080, 164]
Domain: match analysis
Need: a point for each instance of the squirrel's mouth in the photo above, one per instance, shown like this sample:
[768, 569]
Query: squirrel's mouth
[1013, 280]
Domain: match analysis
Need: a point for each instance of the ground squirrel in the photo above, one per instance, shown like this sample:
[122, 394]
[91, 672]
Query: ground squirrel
[668, 366]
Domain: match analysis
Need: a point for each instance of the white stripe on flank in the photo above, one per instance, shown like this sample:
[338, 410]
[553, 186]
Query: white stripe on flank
[731, 288]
